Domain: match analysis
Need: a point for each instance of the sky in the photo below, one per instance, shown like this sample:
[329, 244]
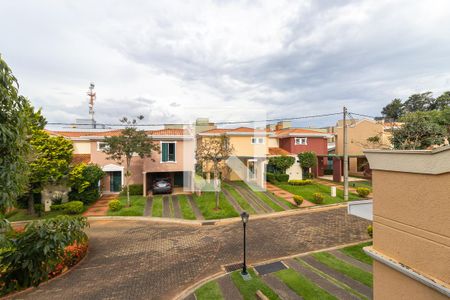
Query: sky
[174, 61]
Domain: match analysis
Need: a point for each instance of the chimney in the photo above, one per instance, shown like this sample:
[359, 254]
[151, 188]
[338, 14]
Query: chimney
[271, 127]
[283, 125]
[203, 124]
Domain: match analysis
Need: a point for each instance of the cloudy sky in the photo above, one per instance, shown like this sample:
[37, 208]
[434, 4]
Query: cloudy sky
[173, 61]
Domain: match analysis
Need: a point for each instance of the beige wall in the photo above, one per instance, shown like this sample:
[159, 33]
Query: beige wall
[81, 147]
[243, 146]
[358, 135]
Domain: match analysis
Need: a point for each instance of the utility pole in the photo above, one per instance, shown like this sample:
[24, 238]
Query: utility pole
[345, 155]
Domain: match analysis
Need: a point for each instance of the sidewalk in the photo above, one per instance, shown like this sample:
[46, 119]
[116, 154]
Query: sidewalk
[285, 195]
[100, 207]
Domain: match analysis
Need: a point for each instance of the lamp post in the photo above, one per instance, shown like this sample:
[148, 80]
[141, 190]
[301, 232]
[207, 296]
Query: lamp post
[244, 216]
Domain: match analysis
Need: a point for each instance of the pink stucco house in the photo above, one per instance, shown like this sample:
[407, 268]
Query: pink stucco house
[175, 160]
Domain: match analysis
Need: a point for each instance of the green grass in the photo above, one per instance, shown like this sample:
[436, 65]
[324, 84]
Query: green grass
[268, 201]
[357, 184]
[248, 288]
[210, 290]
[171, 209]
[302, 286]
[207, 205]
[22, 215]
[157, 206]
[358, 253]
[306, 191]
[345, 268]
[186, 208]
[242, 202]
[136, 208]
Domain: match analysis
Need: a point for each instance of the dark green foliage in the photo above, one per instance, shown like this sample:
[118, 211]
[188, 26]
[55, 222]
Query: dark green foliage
[363, 192]
[281, 163]
[71, 207]
[419, 131]
[282, 177]
[275, 178]
[300, 182]
[419, 102]
[135, 190]
[32, 254]
[270, 177]
[394, 110]
[84, 180]
[307, 159]
[115, 205]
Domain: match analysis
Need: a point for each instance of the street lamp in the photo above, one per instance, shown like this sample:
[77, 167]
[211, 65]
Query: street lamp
[244, 216]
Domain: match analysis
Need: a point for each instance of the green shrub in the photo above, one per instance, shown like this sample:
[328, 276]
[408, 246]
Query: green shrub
[363, 192]
[83, 179]
[318, 198]
[370, 230]
[328, 172]
[282, 177]
[298, 200]
[115, 205]
[73, 207]
[32, 254]
[270, 177]
[135, 189]
[57, 207]
[300, 181]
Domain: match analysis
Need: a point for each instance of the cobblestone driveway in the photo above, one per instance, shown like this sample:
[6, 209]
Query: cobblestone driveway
[143, 260]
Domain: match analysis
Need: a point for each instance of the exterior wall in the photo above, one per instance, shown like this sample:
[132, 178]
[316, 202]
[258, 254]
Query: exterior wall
[357, 136]
[315, 144]
[81, 147]
[272, 142]
[136, 168]
[390, 284]
[154, 164]
[295, 171]
[243, 146]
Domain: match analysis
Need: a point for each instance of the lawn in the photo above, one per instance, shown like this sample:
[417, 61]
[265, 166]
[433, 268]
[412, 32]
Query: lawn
[266, 199]
[207, 205]
[136, 208]
[248, 288]
[157, 206]
[306, 191]
[345, 268]
[302, 286]
[358, 253]
[242, 202]
[22, 215]
[211, 290]
[186, 208]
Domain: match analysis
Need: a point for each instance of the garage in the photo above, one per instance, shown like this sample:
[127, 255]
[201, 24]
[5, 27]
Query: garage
[181, 181]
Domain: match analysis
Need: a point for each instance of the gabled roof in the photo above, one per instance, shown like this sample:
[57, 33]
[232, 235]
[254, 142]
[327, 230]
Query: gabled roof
[235, 131]
[278, 151]
[116, 132]
[300, 132]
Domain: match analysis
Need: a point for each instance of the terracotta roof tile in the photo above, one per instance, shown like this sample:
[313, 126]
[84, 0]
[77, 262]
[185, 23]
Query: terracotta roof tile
[81, 158]
[75, 134]
[298, 131]
[278, 151]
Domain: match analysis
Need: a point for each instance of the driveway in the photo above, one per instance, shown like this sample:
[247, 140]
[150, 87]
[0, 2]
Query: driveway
[146, 260]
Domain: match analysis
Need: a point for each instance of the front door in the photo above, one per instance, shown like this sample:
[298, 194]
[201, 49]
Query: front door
[251, 165]
[115, 181]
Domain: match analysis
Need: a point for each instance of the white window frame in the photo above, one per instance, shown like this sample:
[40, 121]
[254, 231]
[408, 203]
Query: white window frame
[175, 153]
[98, 146]
[258, 140]
[301, 141]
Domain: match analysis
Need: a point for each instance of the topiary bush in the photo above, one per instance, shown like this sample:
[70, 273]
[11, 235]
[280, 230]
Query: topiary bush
[363, 192]
[318, 198]
[115, 205]
[370, 230]
[300, 182]
[282, 177]
[73, 207]
[135, 190]
[298, 199]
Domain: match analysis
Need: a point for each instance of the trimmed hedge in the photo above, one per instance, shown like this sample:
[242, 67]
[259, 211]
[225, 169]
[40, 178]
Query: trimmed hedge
[71, 207]
[275, 178]
[370, 231]
[300, 182]
[363, 192]
[135, 190]
[115, 205]
[298, 199]
[318, 198]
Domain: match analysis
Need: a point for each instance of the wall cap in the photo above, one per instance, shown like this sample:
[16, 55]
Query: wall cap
[434, 162]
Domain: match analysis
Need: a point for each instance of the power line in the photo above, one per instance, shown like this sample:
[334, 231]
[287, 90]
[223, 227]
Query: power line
[362, 115]
[217, 123]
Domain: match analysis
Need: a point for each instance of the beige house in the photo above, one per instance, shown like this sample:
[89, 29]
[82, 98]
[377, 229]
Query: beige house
[411, 223]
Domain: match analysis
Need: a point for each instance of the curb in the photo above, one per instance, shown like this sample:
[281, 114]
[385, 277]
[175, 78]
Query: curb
[191, 289]
[291, 212]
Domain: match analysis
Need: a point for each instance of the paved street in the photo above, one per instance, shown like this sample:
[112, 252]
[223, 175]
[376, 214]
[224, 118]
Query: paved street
[144, 260]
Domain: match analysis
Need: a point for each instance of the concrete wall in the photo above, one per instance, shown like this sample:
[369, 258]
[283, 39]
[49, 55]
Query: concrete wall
[317, 145]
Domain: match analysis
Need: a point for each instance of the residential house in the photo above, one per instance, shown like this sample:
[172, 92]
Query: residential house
[175, 161]
[411, 243]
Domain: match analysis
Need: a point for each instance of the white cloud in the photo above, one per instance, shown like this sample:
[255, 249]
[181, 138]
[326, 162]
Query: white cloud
[175, 61]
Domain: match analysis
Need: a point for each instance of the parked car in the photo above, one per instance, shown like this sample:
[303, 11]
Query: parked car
[162, 186]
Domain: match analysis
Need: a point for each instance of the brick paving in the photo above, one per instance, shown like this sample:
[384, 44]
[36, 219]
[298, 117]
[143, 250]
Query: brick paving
[146, 260]
[100, 207]
[286, 195]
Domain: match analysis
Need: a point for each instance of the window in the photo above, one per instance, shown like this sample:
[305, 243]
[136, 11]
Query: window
[168, 152]
[301, 141]
[101, 146]
[256, 140]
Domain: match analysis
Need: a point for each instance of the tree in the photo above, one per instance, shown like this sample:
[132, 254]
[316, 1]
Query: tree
[419, 131]
[14, 147]
[83, 179]
[442, 102]
[214, 152]
[49, 162]
[394, 110]
[419, 102]
[130, 141]
[282, 163]
[307, 160]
